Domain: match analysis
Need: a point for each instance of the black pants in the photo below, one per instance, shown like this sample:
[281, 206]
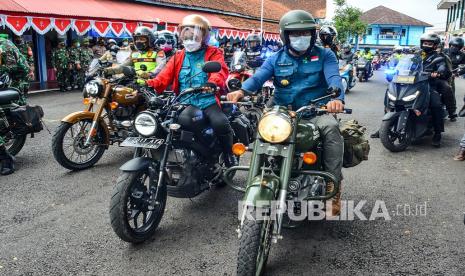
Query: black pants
[451, 102]
[436, 111]
[215, 118]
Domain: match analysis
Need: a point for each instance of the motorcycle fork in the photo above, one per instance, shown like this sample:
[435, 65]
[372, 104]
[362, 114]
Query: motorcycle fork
[95, 120]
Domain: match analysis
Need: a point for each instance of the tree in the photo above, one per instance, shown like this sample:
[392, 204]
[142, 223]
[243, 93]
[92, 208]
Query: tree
[347, 21]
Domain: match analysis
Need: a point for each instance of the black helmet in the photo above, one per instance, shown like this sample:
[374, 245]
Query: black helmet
[143, 31]
[346, 46]
[457, 42]
[163, 38]
[297, 20]
[327, 35]
[254, 38]
[434, 38]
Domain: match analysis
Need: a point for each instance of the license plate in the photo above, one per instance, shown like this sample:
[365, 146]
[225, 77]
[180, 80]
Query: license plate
[140, 142]
[405, 79]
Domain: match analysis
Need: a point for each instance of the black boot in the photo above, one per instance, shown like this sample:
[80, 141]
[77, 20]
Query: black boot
[7, 162]
[62, 89]
[230, 160]
[453, 117]
[375, 135]
[436, 140]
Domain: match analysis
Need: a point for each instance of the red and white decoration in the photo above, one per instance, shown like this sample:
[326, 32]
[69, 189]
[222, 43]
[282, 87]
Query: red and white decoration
[117, 28]
[81, 27]
[130, 27]
[101, 27]
[151, 26]
[62, 25]
[41, 24]
[17, 24]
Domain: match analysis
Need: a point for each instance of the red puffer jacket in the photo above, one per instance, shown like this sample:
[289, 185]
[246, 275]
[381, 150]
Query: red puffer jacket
[170, 74]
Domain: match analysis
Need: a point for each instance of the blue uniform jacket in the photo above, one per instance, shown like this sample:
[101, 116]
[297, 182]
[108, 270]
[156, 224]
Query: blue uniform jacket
[298, 80]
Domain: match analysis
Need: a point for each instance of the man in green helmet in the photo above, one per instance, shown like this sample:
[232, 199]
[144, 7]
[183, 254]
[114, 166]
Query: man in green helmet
[301, 72]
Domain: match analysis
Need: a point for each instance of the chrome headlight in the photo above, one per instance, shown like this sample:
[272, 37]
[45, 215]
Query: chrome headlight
[93, 88]
[145, 124]
[411, 97]
[275, 127]
[238, 67]
[391, 97]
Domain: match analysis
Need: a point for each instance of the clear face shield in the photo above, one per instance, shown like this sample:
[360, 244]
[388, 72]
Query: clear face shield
[192, 37]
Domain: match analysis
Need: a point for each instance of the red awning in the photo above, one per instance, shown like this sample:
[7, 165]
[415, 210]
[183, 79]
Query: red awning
[114, 10]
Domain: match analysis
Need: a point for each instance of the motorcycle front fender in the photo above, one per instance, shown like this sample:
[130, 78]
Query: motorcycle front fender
[136, 164]
[82, 115]
[391, 115]
[262, 191]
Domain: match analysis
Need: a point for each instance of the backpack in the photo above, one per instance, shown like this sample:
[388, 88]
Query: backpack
[356, 146]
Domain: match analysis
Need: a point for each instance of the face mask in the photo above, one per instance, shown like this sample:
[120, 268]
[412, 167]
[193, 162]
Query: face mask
[191, 45]
[77, 44]
[300, 43]
[125, 43]
[428, 49]
[167, 47]
[141, 46]
[453, 50]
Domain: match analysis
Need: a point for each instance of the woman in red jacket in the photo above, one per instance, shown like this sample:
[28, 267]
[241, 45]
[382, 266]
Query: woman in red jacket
[184, 70]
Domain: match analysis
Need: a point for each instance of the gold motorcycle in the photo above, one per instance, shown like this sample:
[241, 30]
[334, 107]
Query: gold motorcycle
[112, 103]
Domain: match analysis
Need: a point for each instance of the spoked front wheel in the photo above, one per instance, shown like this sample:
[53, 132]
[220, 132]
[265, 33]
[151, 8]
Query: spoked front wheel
[136, 207]
[254, 247]
[69, 145]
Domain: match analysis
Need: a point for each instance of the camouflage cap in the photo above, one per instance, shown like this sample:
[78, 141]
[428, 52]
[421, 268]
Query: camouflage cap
[85, 40]
[4, 36]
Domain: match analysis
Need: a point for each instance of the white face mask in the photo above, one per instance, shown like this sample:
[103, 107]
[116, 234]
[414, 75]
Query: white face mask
[300, 43]
[191, 45]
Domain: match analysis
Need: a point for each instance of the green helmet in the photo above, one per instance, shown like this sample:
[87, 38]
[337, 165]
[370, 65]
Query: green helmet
[4, 36]
[297, 20]
[85, 41]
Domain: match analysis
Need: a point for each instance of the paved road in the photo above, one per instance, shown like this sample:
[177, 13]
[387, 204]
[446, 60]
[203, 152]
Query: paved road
[56, 222]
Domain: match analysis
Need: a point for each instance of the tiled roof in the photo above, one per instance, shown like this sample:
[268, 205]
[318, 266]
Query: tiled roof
[273, 9]
[386, 16]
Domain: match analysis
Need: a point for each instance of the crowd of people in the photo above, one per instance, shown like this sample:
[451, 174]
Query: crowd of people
[176, 61]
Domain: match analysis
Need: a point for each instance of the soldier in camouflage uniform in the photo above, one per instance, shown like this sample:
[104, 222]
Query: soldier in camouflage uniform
[15, 64]
[27, 53]
[60, 64]
[74, 62]
[86, 58]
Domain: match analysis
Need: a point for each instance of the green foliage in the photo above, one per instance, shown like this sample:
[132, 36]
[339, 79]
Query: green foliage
[347, 21]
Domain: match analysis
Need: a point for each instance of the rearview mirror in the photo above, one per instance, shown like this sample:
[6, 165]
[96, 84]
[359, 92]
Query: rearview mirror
[211, 67]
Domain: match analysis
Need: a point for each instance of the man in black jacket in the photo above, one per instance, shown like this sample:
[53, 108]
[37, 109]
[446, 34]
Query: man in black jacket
[440, 73]
[457, 58]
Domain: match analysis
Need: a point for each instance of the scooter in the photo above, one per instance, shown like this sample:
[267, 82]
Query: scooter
[346, 73]
[408, 117]
[364, 70]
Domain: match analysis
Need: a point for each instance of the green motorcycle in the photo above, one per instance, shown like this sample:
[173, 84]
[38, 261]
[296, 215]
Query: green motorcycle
[286, 167]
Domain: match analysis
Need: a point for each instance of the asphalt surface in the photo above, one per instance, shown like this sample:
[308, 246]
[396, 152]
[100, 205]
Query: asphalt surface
[56, 222]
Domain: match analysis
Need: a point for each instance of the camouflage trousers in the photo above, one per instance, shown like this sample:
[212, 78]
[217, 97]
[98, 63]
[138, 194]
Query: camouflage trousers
[81, 77]
[3, 126]
[62, 77]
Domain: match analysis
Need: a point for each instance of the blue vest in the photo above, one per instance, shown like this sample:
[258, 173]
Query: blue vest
[298, 80]
[192, 64]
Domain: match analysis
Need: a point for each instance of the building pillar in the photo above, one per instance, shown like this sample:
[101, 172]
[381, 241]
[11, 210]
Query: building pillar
[407, 35]
[41, 60]
[461, 14]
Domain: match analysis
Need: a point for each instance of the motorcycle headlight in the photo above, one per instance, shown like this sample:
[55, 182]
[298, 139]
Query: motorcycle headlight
[145, 124]
[238, 67]
[93, 88]
[275, 127]
[391, 97]
[411, 97]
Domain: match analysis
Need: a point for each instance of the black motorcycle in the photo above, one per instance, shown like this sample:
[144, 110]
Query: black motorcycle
[175, 157]
[21, 120]
[408, 117]
[364, 70]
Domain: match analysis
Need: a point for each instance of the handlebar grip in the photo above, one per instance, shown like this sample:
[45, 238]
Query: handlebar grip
[347, 111]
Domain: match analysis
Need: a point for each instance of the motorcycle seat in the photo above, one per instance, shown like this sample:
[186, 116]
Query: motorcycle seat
[8, 97]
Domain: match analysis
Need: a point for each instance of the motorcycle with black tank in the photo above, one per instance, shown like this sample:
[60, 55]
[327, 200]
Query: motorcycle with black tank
[408, 117]
[286, 166]
[21, 120]
[176, 157]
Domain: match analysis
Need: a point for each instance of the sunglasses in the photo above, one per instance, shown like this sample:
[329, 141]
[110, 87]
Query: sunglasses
[164, 41]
